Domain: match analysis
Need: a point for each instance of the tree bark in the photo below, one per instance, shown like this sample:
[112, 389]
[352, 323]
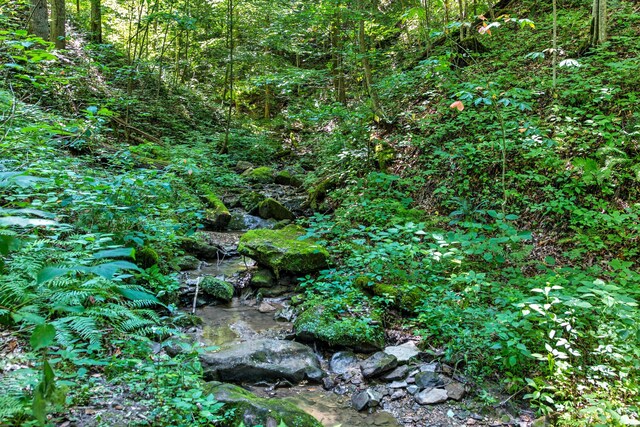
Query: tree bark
[58, 19]
[366, 66]
[599, 23]
[39, 22]
[96, 22]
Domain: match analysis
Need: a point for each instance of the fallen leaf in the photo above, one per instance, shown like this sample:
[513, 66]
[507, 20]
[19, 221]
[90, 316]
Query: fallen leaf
[458, 105]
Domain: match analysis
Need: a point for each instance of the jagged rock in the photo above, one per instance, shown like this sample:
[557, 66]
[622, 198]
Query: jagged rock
[343, 361]
[262, 360]
[266, 308]
[428, 379]
[368, 398]
[271, 208]
[455, 390]
[398, 384]
[399, 373]
[413, 389]
[404, 352]
[328, 383]
[431, 396]
[251, 410]
[281, 251]
[398, 394]
[378, 364]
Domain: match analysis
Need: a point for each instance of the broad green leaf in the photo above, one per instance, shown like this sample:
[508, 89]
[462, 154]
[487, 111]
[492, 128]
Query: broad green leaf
[42, 336]
[135, 295]
[115, 253]
[109, 269]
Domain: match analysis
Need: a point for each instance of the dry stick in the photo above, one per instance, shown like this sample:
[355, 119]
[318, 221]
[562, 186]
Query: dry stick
[195, 296]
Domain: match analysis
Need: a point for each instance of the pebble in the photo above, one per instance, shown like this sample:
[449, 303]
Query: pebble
[413, 389]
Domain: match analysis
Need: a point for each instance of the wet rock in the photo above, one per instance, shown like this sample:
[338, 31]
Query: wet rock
[262, 360]
[404, 352]
[201, 246]
[428, 379]
[271, 208]
[251, 410]
[262, 278]
[216, 288]
[328, 383]
[399, 373]
[378, 364]
[431, 396]
[281, 251]
[429, 367]
[266, 308]
[398, 394]
[413, 389]
[275, 291]
[343, 361]
[368, 398]
[398, 384]
[455, 390]
[285, 314]
[320, 324]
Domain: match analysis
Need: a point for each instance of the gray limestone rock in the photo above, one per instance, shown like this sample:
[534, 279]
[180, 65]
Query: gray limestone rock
[431, 396]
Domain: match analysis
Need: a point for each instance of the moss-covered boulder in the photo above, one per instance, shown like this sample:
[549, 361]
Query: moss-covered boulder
[271, 208]
[318, 192]
[252, 410]
[242, 166]
[263, 175]
[201, 245]
[187, 262]
[263, 278]
[147, 257]
[361, 333]
[217, 215]
[250, 201]
[216, 288]
[281, 251]
[287, 178]
[405, 297]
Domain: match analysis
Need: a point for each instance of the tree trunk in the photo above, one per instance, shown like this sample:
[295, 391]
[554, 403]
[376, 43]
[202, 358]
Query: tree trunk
[599, 23]
[366, 66]
[96, 22]
[58, 18]
[337, 60]
[39, 23]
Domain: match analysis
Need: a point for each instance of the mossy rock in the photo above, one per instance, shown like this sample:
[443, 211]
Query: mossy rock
[199, 245]
[263, 175]
[217, 216]
[262, 278]
[271, 208]
[216, 288]
[318, 192]
[319, 324]
[404, 297]
[287, 178]
[281, 251]
[242, 166]
[187, 262]
[250, 201]
[147, 257]
[256, 411]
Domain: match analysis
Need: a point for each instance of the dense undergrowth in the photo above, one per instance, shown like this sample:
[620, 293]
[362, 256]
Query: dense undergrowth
[505, 233]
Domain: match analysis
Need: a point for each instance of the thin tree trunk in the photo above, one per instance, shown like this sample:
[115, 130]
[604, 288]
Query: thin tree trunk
[39, 19]
[58, 20]
[366, 66]
[599, 23]
[96, 22]
[555, 44]
[225, 146]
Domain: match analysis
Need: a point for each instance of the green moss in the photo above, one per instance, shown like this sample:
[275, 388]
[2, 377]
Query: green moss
[147, 257]
[262, 174]
[287, 178]
[318, 193]
[187, 262]
[217, 215]
[218, 289]
[361, 332]
[247, 405]
[271, 208]
[262, 278]
[403, 297]
[250, 201]
[281, 251]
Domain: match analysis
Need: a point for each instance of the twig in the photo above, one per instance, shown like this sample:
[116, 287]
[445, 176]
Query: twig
[195, 296]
